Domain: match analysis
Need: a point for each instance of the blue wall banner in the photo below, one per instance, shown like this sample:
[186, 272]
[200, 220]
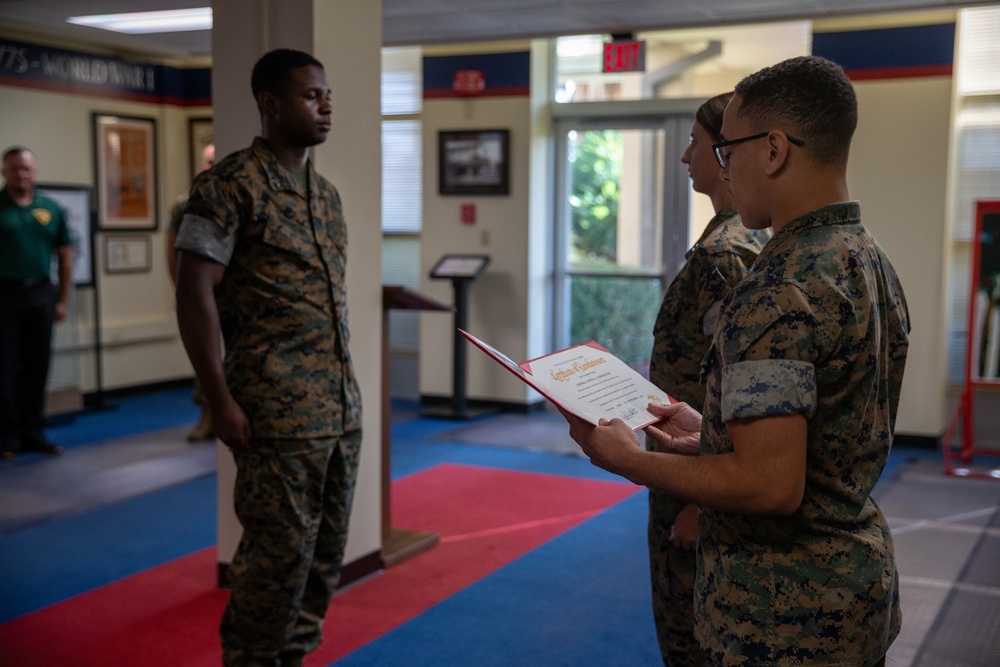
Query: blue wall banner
[504, 74]
[60, 70]
[890, 53]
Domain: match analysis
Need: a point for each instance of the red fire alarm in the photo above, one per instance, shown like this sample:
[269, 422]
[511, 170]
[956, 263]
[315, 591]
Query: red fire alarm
[468, 82]
[468, 214]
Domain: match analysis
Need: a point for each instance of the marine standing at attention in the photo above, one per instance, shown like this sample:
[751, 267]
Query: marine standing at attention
[262, 254]
[683, 332]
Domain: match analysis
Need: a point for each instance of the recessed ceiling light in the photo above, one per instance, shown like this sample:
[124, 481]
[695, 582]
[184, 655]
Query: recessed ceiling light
[137, 23]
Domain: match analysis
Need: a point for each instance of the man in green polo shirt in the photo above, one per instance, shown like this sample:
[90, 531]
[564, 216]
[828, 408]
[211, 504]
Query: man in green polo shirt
[32, 227]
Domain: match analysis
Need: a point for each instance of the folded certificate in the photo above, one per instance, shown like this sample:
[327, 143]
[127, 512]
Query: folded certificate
[587, 381]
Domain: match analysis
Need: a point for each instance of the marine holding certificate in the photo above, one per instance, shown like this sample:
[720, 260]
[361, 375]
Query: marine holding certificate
[796, 563]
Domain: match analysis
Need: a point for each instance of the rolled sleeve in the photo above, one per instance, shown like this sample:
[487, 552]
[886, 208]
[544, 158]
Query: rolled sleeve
[768, 388]
[203, 237]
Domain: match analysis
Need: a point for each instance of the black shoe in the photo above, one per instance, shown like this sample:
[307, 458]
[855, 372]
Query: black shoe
[41, 446]
[9, 448]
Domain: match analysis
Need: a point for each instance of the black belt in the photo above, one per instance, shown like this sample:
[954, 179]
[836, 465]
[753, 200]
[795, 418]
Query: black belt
[27, 282]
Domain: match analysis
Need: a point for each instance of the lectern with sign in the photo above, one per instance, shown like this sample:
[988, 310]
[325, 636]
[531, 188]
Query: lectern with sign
[398, 543]
[461, 270]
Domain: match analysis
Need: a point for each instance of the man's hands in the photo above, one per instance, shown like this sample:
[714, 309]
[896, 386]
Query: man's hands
[612, 445]
[231, 425]
[684, 532]
[679, 432]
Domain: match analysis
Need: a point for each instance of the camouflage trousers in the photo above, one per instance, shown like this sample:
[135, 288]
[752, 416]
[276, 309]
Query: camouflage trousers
[293, 499]
[671, 572]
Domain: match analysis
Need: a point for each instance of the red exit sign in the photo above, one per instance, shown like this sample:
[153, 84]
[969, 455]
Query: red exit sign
[625, 56]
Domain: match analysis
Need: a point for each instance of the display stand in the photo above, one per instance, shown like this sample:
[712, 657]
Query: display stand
[398, 543]
[81, 217]
[461, 270]
[982, 350]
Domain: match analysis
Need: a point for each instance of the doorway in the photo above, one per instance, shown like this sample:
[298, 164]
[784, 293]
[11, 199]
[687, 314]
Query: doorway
[621, 226]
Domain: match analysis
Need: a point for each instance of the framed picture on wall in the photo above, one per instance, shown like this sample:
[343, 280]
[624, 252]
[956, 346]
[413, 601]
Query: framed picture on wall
[125, 165]
[199, 136]
[127, 253]
[75, 201]
[474, 162]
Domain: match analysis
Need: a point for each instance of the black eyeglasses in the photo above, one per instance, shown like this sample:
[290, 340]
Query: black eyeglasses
[723, 158]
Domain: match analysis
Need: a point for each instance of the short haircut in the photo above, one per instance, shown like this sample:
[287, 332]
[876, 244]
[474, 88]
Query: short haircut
[271, 72]
[709, 114]
[14, 150]
[808, 97]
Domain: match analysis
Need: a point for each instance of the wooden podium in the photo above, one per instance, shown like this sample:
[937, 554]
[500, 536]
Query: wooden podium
[398, 543]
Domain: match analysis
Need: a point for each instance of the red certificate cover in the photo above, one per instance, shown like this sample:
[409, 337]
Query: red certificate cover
[586, 380]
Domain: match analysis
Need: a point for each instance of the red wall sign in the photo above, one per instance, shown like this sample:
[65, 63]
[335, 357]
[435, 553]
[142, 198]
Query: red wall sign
[468, 82]
[625, 56]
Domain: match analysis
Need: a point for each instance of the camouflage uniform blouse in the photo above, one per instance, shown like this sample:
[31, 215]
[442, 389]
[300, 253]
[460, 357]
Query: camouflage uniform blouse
[818, 327]
[684, 326]
[282, 301]
[686, 321]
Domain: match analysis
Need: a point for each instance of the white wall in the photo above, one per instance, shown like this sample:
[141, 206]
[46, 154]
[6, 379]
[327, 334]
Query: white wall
[899, 173]
[139, 330]
[498, 299]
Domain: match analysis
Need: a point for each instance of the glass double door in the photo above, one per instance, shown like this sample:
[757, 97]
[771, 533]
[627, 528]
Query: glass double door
[622, 210]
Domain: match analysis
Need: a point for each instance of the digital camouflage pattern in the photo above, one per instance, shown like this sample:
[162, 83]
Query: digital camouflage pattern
[720, 258]
[283, 299]
[283, 309]
[819, 327]
[279, 597]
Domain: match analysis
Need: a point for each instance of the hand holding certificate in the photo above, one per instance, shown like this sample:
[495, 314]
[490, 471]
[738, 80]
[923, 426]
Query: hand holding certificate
[587, 381]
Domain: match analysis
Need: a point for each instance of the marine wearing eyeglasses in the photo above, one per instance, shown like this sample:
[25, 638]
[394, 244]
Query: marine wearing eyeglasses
[722, 155]
[796, 561]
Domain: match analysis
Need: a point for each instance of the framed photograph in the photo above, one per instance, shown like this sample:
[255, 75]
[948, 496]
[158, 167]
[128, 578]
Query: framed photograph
[127, 254]
[75, 201]
[125, 165]
[474, 162]
[199, 136]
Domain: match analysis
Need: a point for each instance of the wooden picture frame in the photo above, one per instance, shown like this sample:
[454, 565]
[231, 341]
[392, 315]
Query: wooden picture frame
[474, 162]
[127, 253]
[125, 169]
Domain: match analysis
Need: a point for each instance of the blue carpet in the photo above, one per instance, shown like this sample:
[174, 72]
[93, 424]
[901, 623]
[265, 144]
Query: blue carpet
[62, 558]
[590, 606]
[413, 449]
[137, 413]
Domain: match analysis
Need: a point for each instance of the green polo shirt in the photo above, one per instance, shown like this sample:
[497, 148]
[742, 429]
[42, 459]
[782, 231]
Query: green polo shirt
[28, 236]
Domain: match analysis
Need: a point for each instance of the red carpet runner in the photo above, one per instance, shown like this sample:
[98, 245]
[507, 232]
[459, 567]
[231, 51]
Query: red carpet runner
[169, 616]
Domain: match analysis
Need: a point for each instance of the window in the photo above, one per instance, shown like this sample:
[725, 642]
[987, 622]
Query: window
[402, 157]
[977, 160]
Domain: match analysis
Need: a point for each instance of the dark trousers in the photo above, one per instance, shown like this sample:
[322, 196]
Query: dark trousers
[27, 313]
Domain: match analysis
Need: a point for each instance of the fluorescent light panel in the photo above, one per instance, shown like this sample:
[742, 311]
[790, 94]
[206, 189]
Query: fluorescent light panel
[139, 23]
